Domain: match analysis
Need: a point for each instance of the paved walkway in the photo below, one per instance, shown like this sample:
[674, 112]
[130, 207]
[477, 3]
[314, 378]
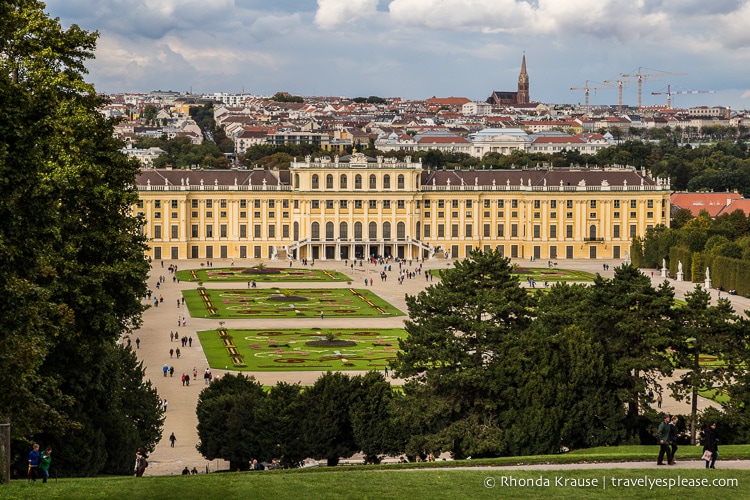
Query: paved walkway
[159, 321]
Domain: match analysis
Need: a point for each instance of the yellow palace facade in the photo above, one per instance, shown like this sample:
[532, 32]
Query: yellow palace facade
[359, 207]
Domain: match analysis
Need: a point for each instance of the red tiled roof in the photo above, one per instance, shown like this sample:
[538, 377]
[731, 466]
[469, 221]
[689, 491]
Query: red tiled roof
[713, 203]
[559, 140]
[449, 101]
[441, 139]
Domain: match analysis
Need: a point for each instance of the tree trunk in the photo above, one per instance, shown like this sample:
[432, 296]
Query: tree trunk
[5, 451]
[694, 402]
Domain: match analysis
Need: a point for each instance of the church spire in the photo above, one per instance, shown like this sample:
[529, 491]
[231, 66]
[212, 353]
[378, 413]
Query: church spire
[523, 83]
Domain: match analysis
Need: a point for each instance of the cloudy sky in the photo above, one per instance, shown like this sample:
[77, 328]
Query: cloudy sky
[420, 48]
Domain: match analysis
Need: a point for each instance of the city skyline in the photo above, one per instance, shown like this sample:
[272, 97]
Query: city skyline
[417, 49]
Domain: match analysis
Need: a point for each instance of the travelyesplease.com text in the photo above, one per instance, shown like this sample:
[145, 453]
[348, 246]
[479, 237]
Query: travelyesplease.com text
[609, 482]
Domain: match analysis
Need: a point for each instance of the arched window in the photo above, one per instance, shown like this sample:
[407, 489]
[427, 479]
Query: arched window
[358, 231]
[315, 181]
[386, 230]
[315, 231]
[400, 181]
[344, 231]
[329, 181]
[592, 232]
[296, 181]
[342, 181]
[329, 230]
[373, 182]
[401, 231]
[373, 231]
[296, 231]
[386, 181]
[357, 181]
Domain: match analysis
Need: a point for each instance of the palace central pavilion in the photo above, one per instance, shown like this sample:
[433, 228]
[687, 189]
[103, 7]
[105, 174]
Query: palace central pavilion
[356, 206]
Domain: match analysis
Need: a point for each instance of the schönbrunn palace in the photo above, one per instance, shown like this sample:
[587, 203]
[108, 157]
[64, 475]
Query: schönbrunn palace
[356, 207]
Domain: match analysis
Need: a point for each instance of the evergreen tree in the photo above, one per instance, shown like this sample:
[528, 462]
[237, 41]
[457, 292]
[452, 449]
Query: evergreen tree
[706, 330]
[228, 420]
[371, 414]
[465, 334]
[329, 434]
[634, 323]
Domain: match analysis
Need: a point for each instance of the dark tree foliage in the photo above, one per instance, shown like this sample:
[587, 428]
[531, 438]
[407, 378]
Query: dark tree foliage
[329, 435]
[706, 330]
[462, 331]
[633, 321]
[371, 415]
[71, 259]
[228, 420]
[204, 116]
[563, 401]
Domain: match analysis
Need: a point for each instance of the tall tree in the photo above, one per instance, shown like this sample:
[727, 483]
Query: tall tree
[634, 323]
[329, 436]
[705, 330]
[464, 334]
[71, 252]
[228, 420]
[371, 414]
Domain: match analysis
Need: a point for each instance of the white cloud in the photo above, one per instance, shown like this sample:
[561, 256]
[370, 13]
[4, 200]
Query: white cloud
[488, 16]
[334, 13]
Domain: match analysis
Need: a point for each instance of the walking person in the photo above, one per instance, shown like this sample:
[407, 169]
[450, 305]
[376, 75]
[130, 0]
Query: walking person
[140, 464]
[710, 446]
[172, 439]
[138, 342]
[663, 436]
[673, 436]
[44, 463]
[34, 458]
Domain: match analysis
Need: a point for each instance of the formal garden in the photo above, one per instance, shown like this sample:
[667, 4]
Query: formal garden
[287, 303]
[262, 274]
[540, 275]
[319, 349]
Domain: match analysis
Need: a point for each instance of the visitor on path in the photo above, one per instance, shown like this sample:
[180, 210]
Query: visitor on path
[164, 405]
[172, 439]
[177, 352]
[140, 464]
[663, 435]
[44, 463]
[673, 436]
[171, 371]
[166, 369]
[34, 458]
[171, 353]
[138, 342]
[659, 400]
[710, 446]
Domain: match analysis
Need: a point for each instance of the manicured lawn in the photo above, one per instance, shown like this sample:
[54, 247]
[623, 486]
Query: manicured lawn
[287, 303]
[550, 274]
[542, 274]
[288, 350]
[262, 275]
[433, 480]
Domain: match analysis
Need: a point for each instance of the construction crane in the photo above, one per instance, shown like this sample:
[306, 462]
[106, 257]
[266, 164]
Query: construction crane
[671, 92]
[647, 76]
[586, 90]
[620, 85]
